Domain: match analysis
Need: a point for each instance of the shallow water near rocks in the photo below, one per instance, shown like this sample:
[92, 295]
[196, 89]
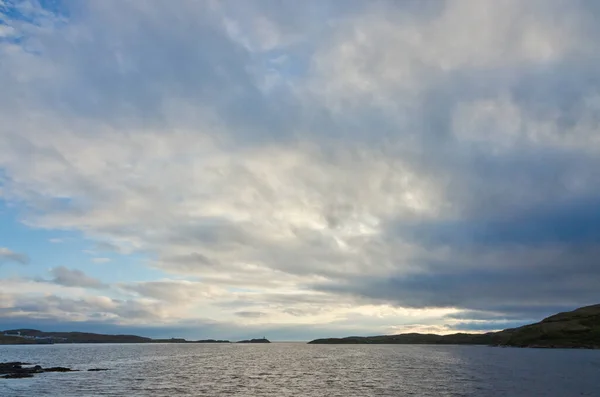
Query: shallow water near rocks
[298, 369]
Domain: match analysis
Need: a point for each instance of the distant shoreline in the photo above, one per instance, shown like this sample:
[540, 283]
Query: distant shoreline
[37, 337]
[577, 329]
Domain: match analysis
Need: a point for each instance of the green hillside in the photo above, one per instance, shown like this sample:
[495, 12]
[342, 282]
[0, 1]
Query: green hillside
[579, 328]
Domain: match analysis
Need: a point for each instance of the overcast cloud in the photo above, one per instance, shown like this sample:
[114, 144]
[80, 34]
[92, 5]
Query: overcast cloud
[342, 167]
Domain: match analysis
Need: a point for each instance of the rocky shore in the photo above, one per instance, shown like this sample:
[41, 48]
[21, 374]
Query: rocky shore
[17, 370]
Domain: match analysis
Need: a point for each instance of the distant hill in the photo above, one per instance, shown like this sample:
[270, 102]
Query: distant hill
[29, 336]
[412, 339]
[579, 328]
[73, 337]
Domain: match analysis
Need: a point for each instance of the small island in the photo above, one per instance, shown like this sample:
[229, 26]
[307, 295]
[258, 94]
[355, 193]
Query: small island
[579, 328]
[262, 340]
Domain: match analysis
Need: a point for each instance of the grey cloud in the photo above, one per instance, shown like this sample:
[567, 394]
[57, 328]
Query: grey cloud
[250, 314]
[574, 221]
[296, 312]
[140, 77]
[484, 326]
[74, 278]
[504, 314]
[518, 283]
[192, 259]
[7, 256]
[172, 291]
[105, 246]
[61, 309]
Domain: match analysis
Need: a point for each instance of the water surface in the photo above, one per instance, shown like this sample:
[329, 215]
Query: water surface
[297, 369]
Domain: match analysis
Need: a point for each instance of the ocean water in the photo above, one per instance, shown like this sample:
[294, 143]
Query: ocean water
[298, 369]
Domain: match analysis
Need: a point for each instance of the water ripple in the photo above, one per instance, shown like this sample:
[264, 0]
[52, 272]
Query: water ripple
[296, 369]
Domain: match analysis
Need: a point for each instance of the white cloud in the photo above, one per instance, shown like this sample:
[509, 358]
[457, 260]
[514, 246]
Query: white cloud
[374, 57]
[6, 31]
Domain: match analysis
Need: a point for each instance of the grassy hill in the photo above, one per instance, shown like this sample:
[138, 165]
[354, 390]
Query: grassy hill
[76, 337]
[579, 328]
[14, 340]
[29, 336]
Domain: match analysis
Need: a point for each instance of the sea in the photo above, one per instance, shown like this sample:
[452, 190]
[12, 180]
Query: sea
[299, 369]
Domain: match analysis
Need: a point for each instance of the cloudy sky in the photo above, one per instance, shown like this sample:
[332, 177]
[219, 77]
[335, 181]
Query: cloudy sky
[297, 169]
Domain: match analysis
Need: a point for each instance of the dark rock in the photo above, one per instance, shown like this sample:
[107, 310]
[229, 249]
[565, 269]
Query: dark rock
[16, 368]
[9, 367]
[58, 369]
[97, 369]
[17, 375]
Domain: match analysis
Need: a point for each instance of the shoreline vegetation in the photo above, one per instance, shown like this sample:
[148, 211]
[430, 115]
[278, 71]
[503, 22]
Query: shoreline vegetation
[579, 328]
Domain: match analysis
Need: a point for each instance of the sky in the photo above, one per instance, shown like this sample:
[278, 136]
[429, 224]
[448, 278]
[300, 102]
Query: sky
[236, 169]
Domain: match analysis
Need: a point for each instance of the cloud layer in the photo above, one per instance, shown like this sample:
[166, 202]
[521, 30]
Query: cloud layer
[7, 255]
[381, 163]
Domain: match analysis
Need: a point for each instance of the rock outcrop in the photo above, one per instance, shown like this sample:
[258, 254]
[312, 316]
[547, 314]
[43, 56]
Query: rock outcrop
[17, 370]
